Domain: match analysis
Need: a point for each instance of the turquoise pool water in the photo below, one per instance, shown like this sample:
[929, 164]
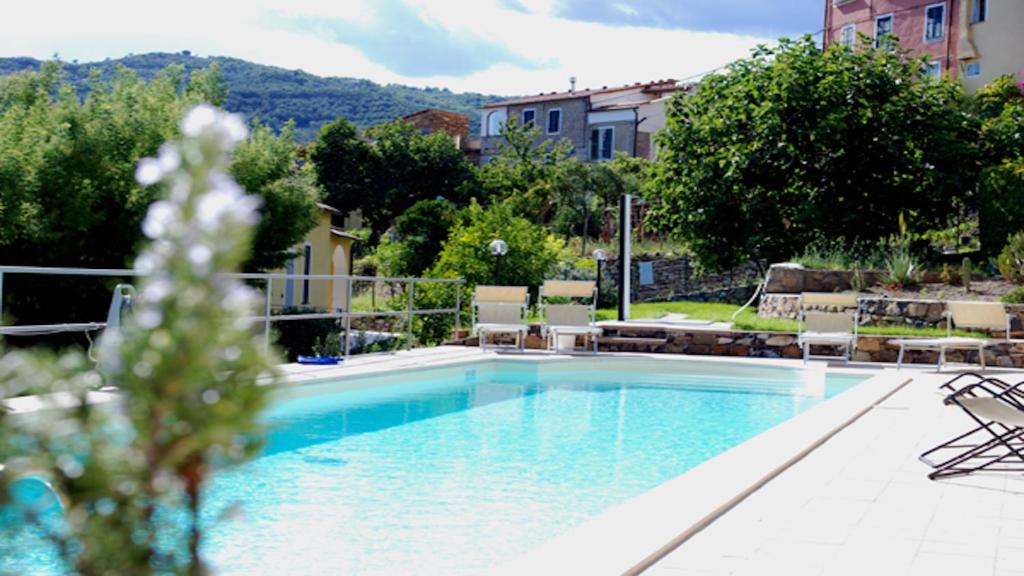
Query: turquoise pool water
[449, 471]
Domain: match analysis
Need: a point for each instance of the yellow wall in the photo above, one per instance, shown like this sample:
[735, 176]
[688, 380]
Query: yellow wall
[998, 42]
[323, 294]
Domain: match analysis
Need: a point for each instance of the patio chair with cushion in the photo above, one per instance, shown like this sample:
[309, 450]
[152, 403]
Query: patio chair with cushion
[572, 318]
[500, 310]
[995, 444]
[821, 328]
[980, 316]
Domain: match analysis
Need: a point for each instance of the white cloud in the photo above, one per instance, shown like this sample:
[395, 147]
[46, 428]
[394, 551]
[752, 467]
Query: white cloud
[596, 54]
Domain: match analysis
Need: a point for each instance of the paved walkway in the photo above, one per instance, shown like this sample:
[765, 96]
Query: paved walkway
[862, 504]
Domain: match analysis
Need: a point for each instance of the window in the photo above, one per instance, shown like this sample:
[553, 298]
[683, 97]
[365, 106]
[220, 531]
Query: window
[934, 22]
[883, 27]
[602, 143]
[974, 69]
[979, 11]
[494, 122]
[848, 35]
[933, 69]
[554, 121]
[529, 116]
[307, 261]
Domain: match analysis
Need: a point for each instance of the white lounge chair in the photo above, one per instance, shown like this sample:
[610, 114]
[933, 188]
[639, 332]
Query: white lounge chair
[980, 316]
[500, 310]
[571, 319]
[818, 328]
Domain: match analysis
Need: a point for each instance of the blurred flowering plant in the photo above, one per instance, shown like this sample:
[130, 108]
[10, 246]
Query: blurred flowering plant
[181, 374]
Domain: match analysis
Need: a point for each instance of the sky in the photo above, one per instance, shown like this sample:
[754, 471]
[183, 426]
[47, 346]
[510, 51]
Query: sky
[506, 47]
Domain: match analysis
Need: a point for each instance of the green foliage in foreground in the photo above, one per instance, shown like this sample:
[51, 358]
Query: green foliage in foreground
[131, 475]
[749, 320]
[794, 144]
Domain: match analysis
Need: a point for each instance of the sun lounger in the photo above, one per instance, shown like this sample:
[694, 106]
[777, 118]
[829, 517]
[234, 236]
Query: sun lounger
[819, 328]
[570, 318]
[980, 316]
[995, 444]
[500, 310]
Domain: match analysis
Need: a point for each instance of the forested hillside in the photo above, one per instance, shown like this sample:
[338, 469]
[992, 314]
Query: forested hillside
[276, 95]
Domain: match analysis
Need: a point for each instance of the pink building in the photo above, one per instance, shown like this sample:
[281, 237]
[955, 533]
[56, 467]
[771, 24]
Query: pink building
[973, 40]
[923, 26]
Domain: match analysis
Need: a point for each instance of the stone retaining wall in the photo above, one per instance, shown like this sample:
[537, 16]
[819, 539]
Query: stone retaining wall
[794, 279]
[882, 311]
[678, 279]
[767, 345]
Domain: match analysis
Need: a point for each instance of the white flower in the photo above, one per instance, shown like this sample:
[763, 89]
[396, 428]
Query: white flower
[168, 158]
[159, 218]
[198, 119]
[148, 172]
[234, 129]
[200, 256]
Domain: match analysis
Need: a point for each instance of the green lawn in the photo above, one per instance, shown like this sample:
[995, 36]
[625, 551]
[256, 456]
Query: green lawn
[748, 319]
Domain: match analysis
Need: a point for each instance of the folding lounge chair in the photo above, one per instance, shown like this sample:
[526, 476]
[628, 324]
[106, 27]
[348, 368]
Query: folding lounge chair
[500, 310]
[569, 319]
[995, 444]
[980, 316]
[819, 328]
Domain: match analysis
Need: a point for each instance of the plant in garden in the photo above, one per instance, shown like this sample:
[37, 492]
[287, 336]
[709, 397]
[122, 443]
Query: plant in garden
[1011, 259]
[1015, 296]
[185, 365]
[901, 265]
[965, 273]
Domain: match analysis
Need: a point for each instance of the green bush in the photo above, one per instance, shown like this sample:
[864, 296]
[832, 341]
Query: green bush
[1014, 297]
[1000, 204]
[1011, 259]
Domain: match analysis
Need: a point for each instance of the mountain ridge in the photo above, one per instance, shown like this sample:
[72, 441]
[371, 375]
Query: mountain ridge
[274, 95]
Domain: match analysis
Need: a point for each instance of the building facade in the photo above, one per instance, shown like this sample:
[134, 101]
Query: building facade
[327, 249]
[598, 123]
[973, 40]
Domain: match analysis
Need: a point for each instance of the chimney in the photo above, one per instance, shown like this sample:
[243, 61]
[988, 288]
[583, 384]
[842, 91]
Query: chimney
[572, 84]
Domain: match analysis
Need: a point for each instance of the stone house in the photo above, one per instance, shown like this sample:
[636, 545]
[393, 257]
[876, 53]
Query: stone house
[598, 122]
[454, 124]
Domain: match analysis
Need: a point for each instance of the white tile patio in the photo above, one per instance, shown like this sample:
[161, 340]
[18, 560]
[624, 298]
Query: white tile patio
[862, 504]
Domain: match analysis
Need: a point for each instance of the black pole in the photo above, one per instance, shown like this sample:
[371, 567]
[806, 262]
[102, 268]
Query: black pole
[497, 269]
[599, 283]
[625, 259]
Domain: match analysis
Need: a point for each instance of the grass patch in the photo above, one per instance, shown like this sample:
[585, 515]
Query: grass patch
[749, 320]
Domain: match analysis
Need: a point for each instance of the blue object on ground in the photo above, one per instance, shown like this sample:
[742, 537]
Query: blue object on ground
[321, 360]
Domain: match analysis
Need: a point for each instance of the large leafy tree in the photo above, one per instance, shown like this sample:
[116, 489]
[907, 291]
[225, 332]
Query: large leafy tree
[68, 195]
[1000, 107]
[394, 168]
[792, 144]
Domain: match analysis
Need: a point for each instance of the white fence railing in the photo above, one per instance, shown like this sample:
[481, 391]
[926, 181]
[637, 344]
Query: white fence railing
[345, 314]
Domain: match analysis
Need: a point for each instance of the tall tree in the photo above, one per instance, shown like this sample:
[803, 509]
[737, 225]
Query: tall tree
[794, 143]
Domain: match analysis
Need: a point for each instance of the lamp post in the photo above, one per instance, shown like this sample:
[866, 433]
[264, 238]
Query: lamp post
[498, 249]
[599, 256]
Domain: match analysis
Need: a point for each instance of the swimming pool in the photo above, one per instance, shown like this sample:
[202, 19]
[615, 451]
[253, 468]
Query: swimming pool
[454, 469]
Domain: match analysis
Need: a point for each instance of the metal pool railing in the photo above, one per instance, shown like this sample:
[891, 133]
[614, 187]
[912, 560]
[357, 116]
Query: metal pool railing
[409, 313]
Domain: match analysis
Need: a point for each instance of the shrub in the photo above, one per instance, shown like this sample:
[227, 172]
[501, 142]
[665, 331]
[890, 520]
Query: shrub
[901, 265]
[1014, 297]
[1011, 259]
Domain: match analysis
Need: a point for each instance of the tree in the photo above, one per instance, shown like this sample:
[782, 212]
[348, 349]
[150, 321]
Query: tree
[532, 254]
[265, 165]
[395, 168]
[68, 196]
[420, 233]
[1000, 106]
[131, 479]
[793, 144]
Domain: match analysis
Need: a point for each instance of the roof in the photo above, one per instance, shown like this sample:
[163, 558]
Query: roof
[649, 87]
[342, 234]
[330, 209]
[433, 111]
